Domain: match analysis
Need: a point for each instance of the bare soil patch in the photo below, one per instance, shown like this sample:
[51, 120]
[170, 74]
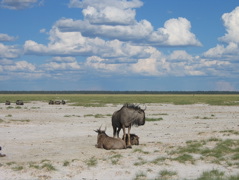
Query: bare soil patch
[44, 141]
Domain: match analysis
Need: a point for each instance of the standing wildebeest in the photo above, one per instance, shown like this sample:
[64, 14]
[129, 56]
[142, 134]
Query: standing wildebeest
[106, 142]
[127, 116]
[19, 102]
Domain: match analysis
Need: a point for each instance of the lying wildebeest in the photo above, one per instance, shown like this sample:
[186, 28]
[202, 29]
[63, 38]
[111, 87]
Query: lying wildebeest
[19, 102]
[106, 142]
[51, 102]
[7, 103]
[57, 102]
[127, 116]
[134, 139]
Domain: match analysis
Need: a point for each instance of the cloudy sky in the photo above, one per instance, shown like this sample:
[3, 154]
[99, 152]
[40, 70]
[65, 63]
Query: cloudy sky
[153, 45]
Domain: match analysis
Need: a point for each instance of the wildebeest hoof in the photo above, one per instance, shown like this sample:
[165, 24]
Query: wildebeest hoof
[130, 147]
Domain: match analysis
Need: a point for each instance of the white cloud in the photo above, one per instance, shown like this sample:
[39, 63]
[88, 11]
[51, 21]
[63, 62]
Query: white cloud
[230, 50]
[61, 66]
[180, 55]
[178, 33]
[231, 24]
[113, 3]
[64, 59]
[9, 51]
[101, 64]
[5, 37]
[18, 4]
[20, 66]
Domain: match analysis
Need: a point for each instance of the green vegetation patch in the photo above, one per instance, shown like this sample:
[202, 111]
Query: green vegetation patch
[214, 149]
[100, 100]
[91, 162]
[153, 119]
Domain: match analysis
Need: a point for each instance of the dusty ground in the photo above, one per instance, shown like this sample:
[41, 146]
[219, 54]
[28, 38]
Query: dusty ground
[38, 138]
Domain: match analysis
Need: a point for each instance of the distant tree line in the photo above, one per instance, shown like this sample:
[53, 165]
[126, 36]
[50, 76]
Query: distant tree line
[119, 92]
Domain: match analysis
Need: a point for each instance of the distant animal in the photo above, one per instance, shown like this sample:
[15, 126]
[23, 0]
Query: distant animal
[106, 142]
[63, 102]
[57, 102]
[19, 102]
[51, 102]
[126, 117]
[2, 155]
[7, 103]
[134, 139]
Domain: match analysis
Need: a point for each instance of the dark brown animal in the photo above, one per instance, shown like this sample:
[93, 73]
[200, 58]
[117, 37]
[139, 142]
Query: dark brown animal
[7, 103]
[134, 139]
[126, 117]
[51, 102]
[106, 142]
[2, 155]
[19, 102]
[57, 102]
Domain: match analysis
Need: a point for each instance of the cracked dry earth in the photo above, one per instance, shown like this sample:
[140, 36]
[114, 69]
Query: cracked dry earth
[44, 141]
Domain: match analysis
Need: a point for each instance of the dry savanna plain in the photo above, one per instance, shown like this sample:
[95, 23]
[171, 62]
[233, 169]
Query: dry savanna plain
[184, 137]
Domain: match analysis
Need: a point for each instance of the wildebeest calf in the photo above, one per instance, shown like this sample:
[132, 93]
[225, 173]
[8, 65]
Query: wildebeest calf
[134, 139]
[106, 142]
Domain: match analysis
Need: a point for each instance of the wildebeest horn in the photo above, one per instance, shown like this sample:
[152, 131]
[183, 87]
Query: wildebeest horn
[100, 126]
[145, 108]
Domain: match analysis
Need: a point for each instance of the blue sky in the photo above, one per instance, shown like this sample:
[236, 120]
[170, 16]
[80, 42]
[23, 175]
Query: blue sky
[119, 45]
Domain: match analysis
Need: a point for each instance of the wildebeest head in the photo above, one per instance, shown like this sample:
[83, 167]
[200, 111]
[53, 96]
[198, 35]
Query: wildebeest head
[138, 114]
[99, 131]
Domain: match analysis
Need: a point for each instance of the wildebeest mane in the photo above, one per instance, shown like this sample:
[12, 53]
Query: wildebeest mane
[132, 106]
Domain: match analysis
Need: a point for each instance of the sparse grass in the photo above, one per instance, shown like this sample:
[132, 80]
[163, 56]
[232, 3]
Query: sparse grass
[10, 163]
[212, 175]
[229, 132]
[24, 120]
[115, 158]
[48, 167]
[153, 119]
[91, 162]
[140, 162]
[215, 150]
[96, 115]
[158, 160]
[1, 121]
[17, 168]
[140, 176]
[185, 158]
[165, 174]
[10, 107]
[9, 115]
[66, 163]
[160, 114]
[140, 151]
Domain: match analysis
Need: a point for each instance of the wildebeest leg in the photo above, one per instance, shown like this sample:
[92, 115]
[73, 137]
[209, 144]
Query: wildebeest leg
[118, 131]
[114, 131]
[124, 136]
[128, 143]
